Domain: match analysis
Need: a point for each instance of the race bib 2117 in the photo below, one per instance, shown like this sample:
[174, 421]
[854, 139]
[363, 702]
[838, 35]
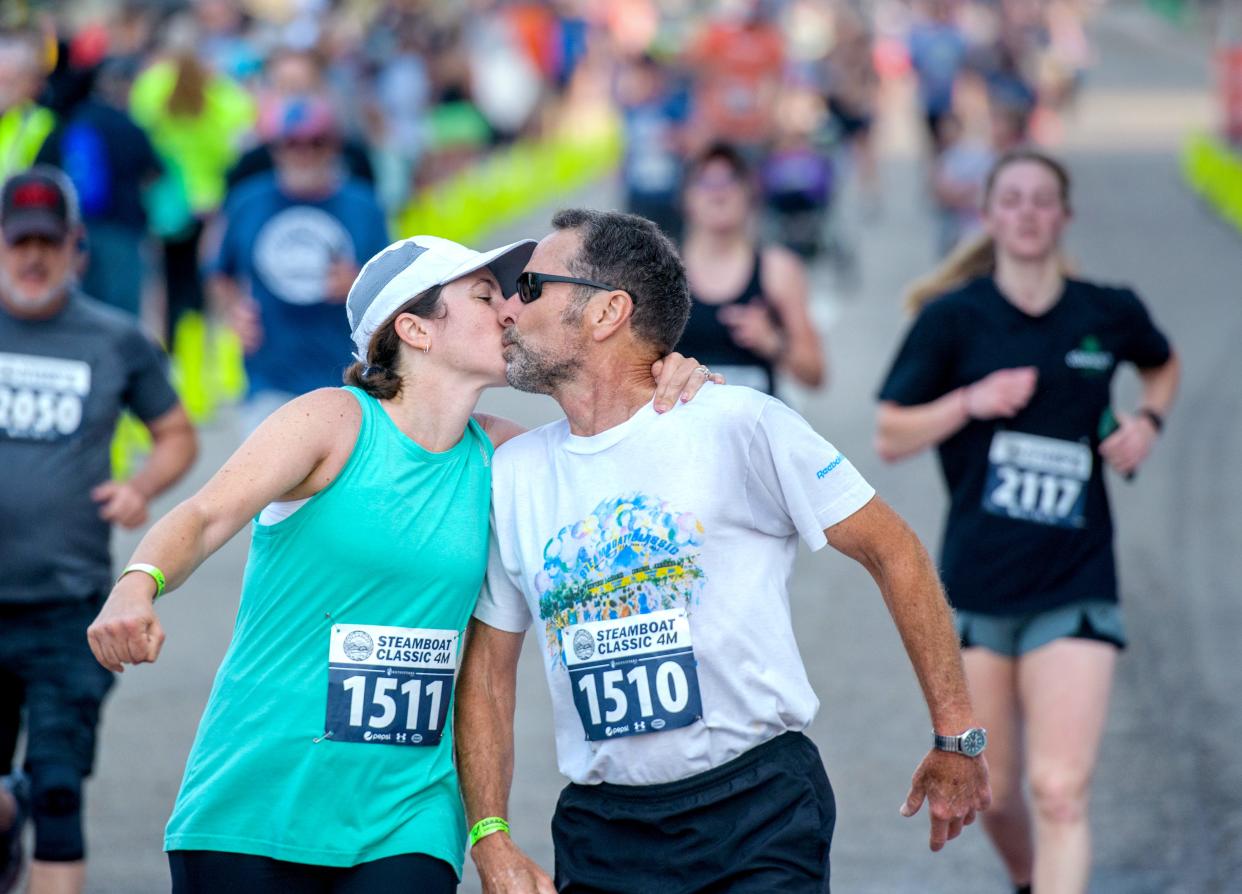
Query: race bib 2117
[1038, 479]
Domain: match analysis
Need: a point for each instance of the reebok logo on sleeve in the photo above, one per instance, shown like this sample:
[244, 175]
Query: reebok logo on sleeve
[822, 473]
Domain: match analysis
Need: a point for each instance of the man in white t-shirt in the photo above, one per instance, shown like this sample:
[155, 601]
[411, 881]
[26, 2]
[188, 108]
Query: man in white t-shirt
[651, 552]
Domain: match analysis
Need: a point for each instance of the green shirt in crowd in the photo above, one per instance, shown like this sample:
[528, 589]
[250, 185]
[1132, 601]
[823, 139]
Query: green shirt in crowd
[202, 147]
[23, 129]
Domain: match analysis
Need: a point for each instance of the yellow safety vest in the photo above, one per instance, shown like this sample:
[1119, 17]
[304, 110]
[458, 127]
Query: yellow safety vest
[23, 129]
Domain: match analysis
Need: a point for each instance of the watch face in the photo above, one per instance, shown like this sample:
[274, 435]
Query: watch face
[974, 741]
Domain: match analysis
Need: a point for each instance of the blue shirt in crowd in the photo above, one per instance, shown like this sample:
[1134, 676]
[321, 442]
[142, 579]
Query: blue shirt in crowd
[937, 53]
[280, 248]
[652, 164]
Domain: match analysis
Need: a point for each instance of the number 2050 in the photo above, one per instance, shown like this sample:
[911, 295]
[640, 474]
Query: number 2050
[39, 412]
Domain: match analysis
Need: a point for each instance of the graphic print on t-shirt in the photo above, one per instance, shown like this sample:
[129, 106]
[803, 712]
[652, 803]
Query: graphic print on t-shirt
[1090, 358]
[294, 250]
[614, 593]
[41, 398]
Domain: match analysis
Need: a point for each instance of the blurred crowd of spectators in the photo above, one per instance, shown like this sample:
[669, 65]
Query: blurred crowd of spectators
[158, 111]
[796, 85]
[992, 75]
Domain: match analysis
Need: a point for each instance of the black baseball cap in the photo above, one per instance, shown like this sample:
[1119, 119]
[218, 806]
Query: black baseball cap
[37, 202]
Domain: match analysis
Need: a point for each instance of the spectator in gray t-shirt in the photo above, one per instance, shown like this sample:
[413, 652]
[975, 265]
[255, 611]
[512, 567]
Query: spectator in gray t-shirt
[68, 367]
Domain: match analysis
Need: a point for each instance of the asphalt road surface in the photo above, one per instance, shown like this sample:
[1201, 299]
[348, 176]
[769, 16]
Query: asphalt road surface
[1167, 810]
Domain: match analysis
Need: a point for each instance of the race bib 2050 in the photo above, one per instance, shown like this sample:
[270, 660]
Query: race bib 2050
[633, 675]
[389, 685]
[1038, 479]
[41, 398]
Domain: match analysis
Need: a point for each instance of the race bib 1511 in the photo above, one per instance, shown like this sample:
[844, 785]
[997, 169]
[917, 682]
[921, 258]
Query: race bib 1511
[633, 675]
[41, 398]
[389, 685]
[1038, 479]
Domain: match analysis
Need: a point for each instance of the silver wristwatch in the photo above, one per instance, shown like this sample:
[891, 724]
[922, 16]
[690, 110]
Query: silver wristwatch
[970, 743]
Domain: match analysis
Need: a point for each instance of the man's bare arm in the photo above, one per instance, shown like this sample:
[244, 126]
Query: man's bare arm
[486, 699]
[485, 703]
[173, 448]
[238, 309]
[955, 786]
[877, 538]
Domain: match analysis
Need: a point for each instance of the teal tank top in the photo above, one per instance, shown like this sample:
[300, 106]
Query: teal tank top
[327, 738]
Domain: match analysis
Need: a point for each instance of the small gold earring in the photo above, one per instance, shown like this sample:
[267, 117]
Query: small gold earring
[426, 348]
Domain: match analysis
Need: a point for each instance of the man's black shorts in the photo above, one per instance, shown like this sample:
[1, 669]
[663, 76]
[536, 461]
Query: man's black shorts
[759, 824]
[43, 649]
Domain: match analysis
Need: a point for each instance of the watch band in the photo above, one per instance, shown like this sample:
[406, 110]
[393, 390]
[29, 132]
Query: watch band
[971, 742]
[1153, 417]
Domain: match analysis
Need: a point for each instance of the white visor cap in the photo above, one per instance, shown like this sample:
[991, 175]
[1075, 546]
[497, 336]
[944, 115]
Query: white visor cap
[410, 267]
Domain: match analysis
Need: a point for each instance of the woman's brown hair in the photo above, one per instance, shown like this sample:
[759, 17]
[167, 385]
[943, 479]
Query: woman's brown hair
[189, 92]
[977, 256]
[380, 376]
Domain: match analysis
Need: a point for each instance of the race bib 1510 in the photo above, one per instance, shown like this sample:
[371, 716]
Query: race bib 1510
[41, 398]
[389, 685]
[633, 675]
[1038, 479]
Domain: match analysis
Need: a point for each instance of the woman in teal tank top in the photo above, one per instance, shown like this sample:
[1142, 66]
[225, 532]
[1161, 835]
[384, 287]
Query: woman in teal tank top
[324, 758]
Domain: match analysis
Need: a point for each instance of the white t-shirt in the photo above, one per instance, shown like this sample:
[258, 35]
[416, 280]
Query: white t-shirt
[653, 559]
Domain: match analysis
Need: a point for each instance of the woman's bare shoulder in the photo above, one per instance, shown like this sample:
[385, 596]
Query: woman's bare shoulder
[498, 428]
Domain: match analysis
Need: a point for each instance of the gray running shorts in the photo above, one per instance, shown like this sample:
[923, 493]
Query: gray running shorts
[1015, 635]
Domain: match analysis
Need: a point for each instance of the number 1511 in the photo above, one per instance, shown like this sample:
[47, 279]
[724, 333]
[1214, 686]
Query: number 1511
[382, 696]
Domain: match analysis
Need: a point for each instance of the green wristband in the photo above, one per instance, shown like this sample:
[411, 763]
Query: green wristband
[151, 571]
[485, 827]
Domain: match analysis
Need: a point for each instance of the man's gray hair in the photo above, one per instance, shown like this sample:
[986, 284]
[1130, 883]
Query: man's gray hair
[631, 253]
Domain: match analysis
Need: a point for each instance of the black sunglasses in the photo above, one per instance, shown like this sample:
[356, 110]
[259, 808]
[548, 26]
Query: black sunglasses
[530, 285]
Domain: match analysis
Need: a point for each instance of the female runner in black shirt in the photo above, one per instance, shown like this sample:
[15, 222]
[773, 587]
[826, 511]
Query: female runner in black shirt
[1007, 372]
[749, 314]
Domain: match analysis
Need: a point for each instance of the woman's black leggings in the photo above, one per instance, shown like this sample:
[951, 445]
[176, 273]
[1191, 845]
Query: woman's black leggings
[183, 278]
[217, 872]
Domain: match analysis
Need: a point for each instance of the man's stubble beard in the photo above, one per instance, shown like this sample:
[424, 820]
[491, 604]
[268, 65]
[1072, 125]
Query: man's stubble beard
[49, 296]
[540, 372]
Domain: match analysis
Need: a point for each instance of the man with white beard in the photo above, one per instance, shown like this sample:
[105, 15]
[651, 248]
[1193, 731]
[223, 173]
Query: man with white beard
[69, 366]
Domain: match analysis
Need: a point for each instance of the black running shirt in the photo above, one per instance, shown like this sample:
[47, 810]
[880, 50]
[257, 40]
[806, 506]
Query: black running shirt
[710, 340]
[1029, 527]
